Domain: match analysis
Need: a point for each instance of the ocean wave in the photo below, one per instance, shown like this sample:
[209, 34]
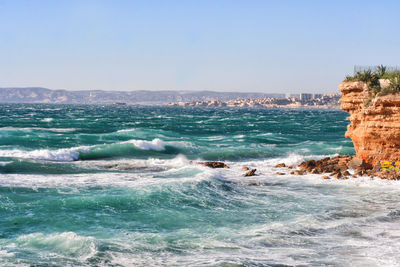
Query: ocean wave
[140, 173]
[65, 244]
[156, 144]
[125, 148]
[126, 130]
[68, 154]
[29, 129]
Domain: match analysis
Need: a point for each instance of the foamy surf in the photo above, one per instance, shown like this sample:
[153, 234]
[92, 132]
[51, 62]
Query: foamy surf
[86, 152]
[156, 144]
[62, 244]
[66, 155]
[120, 189]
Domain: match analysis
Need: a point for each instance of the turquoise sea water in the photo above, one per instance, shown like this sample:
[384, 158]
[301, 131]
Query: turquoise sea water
[113, 186]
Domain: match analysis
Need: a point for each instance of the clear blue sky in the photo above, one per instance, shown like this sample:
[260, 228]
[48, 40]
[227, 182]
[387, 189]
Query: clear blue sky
[248, 45]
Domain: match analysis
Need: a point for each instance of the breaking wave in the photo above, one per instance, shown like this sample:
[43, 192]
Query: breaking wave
[131, 147]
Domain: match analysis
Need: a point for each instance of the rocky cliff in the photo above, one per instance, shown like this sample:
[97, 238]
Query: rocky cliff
[374, 123]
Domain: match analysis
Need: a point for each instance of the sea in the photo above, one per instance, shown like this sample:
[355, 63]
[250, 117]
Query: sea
[113, 185]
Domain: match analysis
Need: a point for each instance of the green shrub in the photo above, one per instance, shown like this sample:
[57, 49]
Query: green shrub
[391, 74]
[381, 70]
[350, 78]
[372, 80]
[395, 83]
[393, 88]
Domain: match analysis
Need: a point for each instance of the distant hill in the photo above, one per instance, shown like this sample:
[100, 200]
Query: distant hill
[44, 95]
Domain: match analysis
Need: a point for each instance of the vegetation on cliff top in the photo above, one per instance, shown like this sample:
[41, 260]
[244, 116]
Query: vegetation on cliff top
[371, 78]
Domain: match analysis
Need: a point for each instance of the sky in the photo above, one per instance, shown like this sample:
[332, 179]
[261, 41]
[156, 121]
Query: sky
[238, 45]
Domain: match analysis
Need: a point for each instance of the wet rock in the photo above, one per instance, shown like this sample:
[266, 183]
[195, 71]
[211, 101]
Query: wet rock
[326, 165]
[280, 165]
[315, 171]
[355, 163]
[307, 165]
[253, 184]
[326, 177]
[213, 164]
[388, 174]
[280, 173]
[337, 175]
[359, 172]
[244, 168]
[299, 172]
[250, 173]
[346, 173]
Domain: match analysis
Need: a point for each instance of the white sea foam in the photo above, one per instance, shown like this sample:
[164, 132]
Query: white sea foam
[72, 154]
[154, 171]
[4, 163]
[126, 130]
[156, 144]
[66, 244]
[58, 130]
[47, 120]
[298, 240]
[67, 154]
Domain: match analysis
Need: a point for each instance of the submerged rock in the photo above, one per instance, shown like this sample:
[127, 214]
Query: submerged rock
[280, 165]
[212, 164]
[337, 175]
[250, 173]
[244, 168]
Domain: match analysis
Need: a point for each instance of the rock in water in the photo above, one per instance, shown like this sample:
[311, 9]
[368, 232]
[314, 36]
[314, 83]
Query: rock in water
[213, 164]
[280, 165]
[250, 173]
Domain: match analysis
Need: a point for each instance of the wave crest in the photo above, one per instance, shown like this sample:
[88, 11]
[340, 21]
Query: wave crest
[88, 152]
[156, 144]
[67, 243]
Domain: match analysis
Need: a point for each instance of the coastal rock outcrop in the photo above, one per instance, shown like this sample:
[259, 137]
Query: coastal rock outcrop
[212, 164]
[374, 122]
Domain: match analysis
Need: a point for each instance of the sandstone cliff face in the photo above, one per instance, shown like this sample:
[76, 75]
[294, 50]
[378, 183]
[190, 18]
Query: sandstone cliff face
[374, 128]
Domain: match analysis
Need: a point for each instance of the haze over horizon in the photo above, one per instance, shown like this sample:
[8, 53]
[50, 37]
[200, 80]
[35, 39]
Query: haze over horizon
[242, 46]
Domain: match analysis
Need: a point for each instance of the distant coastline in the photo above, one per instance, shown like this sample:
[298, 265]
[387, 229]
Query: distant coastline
[48, 96]
[318, 101]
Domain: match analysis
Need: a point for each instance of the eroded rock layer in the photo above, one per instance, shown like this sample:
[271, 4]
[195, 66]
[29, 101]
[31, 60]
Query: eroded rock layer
[374, 123]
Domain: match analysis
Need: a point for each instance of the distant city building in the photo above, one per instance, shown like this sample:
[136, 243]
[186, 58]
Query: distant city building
[290, 95]
[316, 96]
[305, 97]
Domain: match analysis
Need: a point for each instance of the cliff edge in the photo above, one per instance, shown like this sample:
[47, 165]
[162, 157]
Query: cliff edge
[374, 122]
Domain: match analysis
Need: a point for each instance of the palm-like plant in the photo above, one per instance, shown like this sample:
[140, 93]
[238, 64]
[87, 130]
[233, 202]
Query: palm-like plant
[365, 76]
[381, 70]
[395, 84]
